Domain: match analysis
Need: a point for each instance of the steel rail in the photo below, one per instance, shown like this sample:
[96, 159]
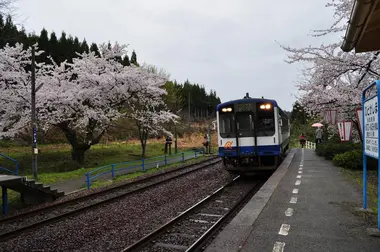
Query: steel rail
[143, 242]
[18, 231]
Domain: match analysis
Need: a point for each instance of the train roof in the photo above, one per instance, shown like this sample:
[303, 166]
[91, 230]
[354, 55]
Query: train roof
[245, 100]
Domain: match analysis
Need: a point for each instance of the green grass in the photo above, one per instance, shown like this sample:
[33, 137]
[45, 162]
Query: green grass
[123, 178]
[357, 177]
[55, 164]
[56, 177]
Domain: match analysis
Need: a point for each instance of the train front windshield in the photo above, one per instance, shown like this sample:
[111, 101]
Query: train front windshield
[265, 124]
[265, 119]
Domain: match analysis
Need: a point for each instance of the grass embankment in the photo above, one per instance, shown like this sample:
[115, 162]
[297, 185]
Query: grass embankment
[123, 178]
[55, 163]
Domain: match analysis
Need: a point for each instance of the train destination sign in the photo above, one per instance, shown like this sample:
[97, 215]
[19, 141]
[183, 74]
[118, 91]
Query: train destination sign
[371, 127]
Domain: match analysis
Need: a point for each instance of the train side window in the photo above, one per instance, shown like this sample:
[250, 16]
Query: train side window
[227, 128]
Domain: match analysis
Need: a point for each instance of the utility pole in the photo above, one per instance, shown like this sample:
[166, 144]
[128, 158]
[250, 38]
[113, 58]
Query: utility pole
[189, 106]
[175, 126]
[34, 128]
[209, 121]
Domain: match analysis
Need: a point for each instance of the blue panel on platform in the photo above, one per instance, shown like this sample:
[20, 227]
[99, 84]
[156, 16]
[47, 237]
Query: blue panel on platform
[266, 150]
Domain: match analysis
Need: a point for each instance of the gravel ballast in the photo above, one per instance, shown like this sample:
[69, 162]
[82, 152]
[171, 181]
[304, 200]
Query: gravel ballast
[56, 209]
[115, 226]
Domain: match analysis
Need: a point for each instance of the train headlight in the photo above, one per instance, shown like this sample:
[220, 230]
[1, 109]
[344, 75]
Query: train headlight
[265, 106]
[226, 109]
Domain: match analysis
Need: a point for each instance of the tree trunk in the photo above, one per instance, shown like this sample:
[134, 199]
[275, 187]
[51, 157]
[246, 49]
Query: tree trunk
[143, 135]
[143, 149]
[77, 152]
[79, 147]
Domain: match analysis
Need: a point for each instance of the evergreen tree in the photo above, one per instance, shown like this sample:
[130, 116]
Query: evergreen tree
[43, 44]
[94, 48]
[298, 114]
[125, 61]
[76, 45]
[9, 32]
[23, 38]
[70, 49]
[84, 46]
[2, 35]
[134, 58]
[63, 50]
[53, 46]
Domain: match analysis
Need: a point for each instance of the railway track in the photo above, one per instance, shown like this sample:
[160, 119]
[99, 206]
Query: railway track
[193, 228]
[15, 225]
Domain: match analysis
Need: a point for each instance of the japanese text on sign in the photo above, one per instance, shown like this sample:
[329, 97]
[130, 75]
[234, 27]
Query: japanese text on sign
[371, 127]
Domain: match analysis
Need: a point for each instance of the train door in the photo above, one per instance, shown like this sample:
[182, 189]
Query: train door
[245, 127]
[279, 129]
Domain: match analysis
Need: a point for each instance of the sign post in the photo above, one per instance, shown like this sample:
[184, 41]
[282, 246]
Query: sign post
[371, 132]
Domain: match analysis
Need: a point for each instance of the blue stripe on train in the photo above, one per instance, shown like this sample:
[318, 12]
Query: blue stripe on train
[266, 150]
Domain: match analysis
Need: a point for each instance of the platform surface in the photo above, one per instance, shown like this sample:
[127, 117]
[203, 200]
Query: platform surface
[6, 179]
[318, 217]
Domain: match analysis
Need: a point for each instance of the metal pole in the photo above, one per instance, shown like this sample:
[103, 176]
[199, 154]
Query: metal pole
[364, 160]
[5, 199]
[189, 106]
[175, 127]
[34, 128]
[209, 139]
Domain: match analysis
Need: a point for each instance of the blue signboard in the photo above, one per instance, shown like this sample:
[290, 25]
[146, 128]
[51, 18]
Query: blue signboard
[371, 132]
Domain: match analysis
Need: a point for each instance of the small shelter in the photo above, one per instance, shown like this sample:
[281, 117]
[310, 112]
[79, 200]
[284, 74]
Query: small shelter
[363, 31]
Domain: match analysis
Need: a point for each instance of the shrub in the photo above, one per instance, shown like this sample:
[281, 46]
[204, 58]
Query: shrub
[320, 149]
[351, 160]
[330, 149]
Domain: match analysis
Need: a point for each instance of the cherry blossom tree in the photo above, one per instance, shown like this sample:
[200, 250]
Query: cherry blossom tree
[5, 5]
[15, 88]
[332, 78]
[81, 98]
[149, 110]
[84, 98]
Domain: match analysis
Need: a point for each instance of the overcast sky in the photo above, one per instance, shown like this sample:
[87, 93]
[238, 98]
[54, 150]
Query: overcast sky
[226, 45]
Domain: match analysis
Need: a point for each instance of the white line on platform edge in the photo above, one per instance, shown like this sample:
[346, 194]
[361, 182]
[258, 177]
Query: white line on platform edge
[295, 190]
[293, 200]
[278, 247]
[284, 230]
[289, 212]
[298, 182]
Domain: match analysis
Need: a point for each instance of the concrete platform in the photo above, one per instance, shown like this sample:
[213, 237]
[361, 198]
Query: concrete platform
[5, 180]
[307, 205]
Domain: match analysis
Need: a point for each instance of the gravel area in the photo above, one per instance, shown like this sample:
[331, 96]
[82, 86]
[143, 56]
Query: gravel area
[115, 226]
[72, 206]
